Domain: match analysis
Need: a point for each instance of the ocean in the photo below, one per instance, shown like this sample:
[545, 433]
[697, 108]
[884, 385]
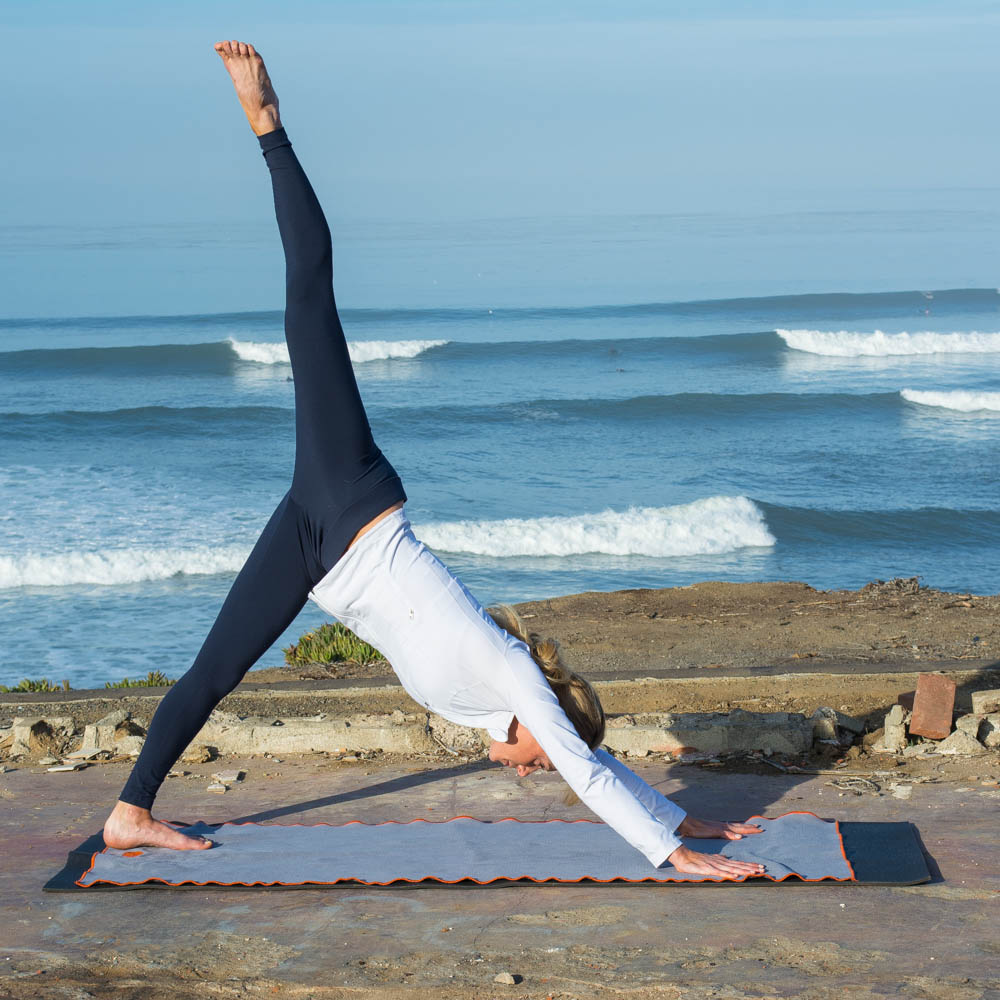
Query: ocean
[560, 424]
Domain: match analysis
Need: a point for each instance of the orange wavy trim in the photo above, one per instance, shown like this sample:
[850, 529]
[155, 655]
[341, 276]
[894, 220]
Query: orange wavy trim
[419, 819]
[500, 878]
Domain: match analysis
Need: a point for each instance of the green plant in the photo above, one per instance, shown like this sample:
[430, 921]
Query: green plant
[155, 678]
[43, 684]
[330, 643]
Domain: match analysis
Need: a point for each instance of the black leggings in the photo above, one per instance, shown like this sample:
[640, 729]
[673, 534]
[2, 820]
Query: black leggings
[340, 483]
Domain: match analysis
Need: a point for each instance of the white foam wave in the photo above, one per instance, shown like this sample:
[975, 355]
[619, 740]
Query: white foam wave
[268, 353]
[117, 566]
[262, 353]
[957, 399]
[851, 344]
[704, 527]
[382, 350]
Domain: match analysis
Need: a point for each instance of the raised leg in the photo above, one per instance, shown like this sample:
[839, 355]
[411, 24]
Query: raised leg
[332, 430]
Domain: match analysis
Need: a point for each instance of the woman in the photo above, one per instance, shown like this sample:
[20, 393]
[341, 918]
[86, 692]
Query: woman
[340, 536]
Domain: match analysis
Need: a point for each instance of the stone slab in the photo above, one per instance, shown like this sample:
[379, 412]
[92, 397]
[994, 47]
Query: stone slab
[986, 702]
[960, 742]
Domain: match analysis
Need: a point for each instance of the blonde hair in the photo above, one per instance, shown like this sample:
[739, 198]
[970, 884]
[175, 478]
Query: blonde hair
[576, 697]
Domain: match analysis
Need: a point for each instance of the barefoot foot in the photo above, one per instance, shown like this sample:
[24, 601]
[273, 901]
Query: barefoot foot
[715, 829]
[253, 85]
[129, 826]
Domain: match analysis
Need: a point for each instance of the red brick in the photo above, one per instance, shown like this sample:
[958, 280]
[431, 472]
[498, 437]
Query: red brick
[906, 700]
[933, 706]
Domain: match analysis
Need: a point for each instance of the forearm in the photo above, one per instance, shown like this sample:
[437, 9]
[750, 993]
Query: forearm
[611, 798]
[616, 795]
[668, 813]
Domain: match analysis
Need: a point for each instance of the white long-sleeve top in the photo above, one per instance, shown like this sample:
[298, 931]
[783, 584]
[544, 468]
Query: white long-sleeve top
[452, 658]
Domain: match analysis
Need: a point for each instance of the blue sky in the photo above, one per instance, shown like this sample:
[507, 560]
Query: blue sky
[120, 112]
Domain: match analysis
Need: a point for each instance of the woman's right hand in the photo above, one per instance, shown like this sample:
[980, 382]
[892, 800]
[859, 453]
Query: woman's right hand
[712, 865]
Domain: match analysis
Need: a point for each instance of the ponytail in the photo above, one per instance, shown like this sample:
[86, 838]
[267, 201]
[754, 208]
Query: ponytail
[576, 696]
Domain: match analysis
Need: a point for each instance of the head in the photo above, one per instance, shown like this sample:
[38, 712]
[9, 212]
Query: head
[576, 698]
[521, 751]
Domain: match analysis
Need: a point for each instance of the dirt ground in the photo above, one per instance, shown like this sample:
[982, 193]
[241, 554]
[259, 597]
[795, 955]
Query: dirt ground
[748, 625]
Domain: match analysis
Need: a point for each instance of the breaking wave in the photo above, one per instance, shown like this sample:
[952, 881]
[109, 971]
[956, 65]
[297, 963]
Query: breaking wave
[117, 566]
[850, 344]
[271, 353]
[704, 527]
[956, 399]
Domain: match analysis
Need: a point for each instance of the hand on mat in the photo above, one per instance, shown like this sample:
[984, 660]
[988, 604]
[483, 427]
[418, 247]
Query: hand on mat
[716, 829]
[712, 865]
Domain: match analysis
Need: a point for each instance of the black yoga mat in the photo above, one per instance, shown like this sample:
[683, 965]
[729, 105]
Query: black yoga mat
[796, 848]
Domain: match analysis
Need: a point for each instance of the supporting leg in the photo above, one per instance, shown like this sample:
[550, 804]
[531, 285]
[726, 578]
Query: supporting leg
[266, 596]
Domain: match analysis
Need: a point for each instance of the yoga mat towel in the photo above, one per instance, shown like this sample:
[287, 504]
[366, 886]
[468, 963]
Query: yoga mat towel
[797, 844]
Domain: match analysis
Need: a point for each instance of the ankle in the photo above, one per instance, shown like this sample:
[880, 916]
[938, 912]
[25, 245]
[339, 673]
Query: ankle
[266, 120]
[127, 811]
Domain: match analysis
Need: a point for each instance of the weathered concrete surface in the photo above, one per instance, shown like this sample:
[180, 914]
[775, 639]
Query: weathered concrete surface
[409, 733]
[229, 734]
[34, 734]
[985, 702]
[937, 942]
[864, 694]
[737, 731]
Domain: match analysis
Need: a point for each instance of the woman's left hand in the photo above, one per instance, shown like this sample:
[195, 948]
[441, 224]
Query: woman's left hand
[716, 829]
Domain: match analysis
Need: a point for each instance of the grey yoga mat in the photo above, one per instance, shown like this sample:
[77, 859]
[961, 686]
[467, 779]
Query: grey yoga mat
[794, 845]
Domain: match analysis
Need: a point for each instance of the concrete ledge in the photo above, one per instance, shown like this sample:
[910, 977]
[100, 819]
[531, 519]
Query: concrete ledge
[410, 733]
[710, 732]
[399, 732]
[797, 692]
[395, 733]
